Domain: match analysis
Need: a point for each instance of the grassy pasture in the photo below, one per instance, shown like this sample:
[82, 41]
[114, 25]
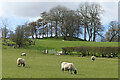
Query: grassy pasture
[39, 65]
[42, 44]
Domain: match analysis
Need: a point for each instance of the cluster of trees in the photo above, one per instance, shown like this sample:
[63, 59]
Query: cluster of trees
[20, 36]
[62, 21]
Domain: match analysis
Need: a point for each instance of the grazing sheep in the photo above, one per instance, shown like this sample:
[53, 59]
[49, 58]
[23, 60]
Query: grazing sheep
[93, 58]
[23, 54]
[63, 40]
[46, 51]
[20, 61]
[65, 66]
[59, 52]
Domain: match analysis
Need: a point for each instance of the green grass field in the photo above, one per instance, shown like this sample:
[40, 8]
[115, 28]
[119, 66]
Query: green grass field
[39, 65]
[42, 44]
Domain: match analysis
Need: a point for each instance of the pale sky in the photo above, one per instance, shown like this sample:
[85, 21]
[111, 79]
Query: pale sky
[21, 11]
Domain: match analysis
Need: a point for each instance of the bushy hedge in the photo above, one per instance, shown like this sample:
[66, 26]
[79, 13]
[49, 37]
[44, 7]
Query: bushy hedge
[8, 42]
[96, 51]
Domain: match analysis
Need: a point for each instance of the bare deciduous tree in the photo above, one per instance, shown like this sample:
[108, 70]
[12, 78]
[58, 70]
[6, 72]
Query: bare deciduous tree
[5, 30]
[112, 34]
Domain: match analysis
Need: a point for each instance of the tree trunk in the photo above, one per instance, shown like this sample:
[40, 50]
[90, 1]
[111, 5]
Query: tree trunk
[94, 35]
[47, 31]
[71, 32]
[90, 35]
[51, 29]
[43, 33]
[112, 37]
[78, 30]
[36, 34]
[56, 35]
[33, 36]
[65, 37]
[85, 33]
[5, 32]
[70, 35]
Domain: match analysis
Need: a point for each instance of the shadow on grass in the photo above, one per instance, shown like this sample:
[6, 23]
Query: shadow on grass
[73, 73]
[27, 67]
[24, 67]
[77, 74]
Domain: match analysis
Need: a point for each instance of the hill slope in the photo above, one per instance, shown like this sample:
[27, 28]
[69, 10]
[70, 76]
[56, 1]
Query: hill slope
[42, 44]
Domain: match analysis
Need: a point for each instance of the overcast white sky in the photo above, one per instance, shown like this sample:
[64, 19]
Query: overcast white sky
[20, 11]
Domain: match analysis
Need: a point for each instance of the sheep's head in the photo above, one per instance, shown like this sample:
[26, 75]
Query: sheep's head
[75, 71]
[93, 59]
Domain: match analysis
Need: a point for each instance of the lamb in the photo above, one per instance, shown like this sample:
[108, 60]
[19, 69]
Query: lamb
[23, 54]
[20, 61]
[65, 66]
[93, 58]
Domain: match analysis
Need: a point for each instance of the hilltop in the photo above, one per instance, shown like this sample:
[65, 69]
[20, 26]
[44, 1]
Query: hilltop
[52, 43]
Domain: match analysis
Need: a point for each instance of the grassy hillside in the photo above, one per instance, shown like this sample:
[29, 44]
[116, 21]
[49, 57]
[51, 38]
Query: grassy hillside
[42, 44]
[61, 38]
[39, 65]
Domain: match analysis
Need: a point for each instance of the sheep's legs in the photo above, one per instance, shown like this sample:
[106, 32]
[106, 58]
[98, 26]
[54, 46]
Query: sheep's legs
[18, 65]
[71, 71]
[68, 71]
[23, 65]
[62, 69]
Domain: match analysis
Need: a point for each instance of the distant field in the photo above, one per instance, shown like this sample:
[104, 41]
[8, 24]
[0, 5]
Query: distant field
[42, 44]
[39, 65]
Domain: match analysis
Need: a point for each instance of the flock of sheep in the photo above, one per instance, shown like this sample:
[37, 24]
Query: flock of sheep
[65, 66]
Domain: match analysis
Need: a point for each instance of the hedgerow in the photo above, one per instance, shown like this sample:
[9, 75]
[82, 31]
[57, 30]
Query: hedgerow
[96, 51]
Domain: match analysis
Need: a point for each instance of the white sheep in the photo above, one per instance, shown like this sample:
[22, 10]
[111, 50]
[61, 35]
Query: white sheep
[20, 61]
[93, 58]
[63, 40]
[23, 54]
[65, 66]
[59, 52]
[46, 51]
